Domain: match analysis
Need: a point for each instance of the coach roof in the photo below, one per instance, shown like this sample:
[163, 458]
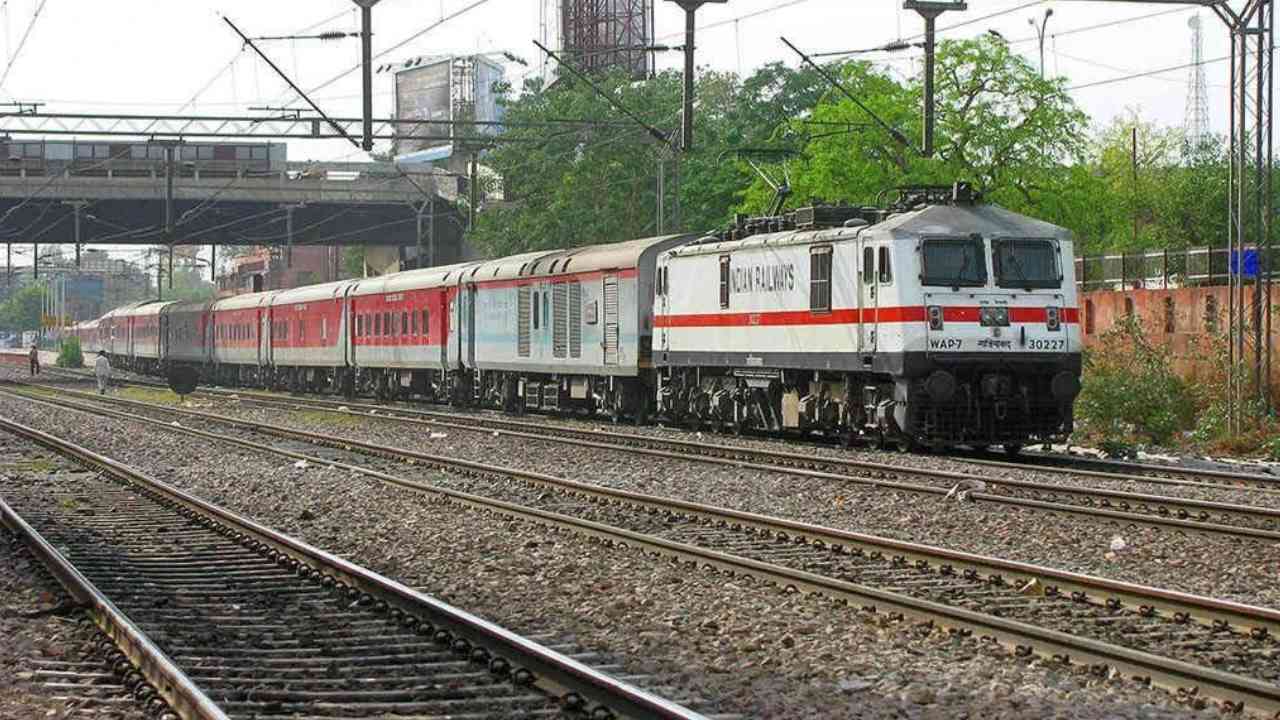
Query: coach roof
[506, 268]
[610, 256]
[311, 293]
[244, 302]
[420, 279]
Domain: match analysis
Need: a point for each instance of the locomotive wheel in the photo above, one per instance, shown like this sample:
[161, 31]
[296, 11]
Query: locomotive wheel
[1012, 449]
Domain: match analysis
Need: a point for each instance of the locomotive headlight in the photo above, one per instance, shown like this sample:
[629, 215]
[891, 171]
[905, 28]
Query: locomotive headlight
[935, 317]
[994, 316]
[1053, 318]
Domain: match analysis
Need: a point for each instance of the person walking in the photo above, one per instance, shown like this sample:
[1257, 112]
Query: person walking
[34, 355]
[102, 370]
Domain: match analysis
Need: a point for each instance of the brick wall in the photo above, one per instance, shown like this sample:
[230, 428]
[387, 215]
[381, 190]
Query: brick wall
[1192, 321]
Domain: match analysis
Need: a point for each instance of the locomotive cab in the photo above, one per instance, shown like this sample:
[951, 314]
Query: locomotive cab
[997, 358]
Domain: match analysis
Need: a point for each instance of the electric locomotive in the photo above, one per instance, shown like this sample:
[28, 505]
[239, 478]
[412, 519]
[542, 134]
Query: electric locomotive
[937, 321]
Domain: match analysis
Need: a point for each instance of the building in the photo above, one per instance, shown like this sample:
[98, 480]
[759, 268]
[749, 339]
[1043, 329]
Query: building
[269, 269]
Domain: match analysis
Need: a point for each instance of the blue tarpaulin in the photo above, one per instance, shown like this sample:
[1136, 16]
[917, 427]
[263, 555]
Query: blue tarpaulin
[1250, 263]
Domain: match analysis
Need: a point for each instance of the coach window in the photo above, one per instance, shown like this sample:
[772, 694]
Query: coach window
[386, 323]
[536, 313]
[426, 315]
[404, 323]
[377, 324]
[820, 279]
[546, 308]
[413, 320]
[886, 268]
[724, 281]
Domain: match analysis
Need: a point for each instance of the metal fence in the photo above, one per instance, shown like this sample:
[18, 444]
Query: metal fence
[1163, 269]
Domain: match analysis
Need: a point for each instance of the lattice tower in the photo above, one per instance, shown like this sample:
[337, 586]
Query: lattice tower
[603, 35]
[1197, 115]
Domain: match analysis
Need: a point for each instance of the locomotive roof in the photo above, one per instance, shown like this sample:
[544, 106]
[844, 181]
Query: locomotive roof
[609, 256]
[986, 220]
[310, 293]
[243, 302]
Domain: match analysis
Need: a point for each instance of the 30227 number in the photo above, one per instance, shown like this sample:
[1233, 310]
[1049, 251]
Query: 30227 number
[1047, 344]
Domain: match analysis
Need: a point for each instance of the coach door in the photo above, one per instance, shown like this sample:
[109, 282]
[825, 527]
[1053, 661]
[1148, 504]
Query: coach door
[264, 337]
[868, 301]
[471, 326]
[610, 319]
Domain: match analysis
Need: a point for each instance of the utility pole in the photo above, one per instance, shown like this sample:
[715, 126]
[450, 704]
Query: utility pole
[169, 150]
[76, 207]
[288, 231]
[930, 10]
[1040, 34]
[475, 194]
[690, 8]
[366, 63]
[1134, 164]
[427, 209]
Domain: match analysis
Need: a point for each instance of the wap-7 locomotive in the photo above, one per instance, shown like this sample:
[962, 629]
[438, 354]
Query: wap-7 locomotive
[935, 321]
[940, 321]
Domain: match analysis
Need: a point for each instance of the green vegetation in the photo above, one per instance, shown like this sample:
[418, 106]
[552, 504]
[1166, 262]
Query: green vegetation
[21, 311]
[1133, 396]
[150, 395]
[1019, 138]
[70, 356]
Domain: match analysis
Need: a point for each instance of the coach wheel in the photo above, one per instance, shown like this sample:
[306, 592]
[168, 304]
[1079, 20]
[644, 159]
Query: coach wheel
[905, 445]
[1012, 449]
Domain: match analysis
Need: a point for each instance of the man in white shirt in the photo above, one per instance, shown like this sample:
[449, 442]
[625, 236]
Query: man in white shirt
[102, 369]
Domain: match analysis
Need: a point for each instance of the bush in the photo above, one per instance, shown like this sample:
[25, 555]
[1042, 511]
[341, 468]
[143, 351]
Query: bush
[1130, 391]
[70, 355]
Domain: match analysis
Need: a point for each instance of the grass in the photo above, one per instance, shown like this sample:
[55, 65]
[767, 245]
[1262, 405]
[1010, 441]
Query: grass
[149, 395]
[326, 417]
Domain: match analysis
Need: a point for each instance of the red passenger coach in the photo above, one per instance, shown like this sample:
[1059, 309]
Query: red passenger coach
[308, 336]
[403, 334]
[241, 347]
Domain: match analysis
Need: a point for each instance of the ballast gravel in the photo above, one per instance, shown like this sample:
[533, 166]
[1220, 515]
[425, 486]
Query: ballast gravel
[1204, 564]
[755, 650]
[41, 631]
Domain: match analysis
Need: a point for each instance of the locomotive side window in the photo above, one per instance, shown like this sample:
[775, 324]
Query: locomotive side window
[886, 268]
[724, 281]
[820, 279]
[868, 265]
[1026, 264]
[953, 262]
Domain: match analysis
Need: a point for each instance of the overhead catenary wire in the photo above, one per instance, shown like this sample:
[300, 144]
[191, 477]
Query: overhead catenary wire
[13, 58]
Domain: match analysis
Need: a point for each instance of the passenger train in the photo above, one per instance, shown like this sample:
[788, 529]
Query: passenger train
[935, 321]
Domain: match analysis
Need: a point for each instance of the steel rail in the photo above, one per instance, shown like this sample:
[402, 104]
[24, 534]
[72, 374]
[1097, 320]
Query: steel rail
[1164, 511]
[1251, 619]
[1236, 692]
[1067, 464]
[1041, 462]
[184, 698]
[557, 674]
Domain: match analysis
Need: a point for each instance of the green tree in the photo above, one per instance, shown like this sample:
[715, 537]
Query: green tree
[21, 311]
[999, 125]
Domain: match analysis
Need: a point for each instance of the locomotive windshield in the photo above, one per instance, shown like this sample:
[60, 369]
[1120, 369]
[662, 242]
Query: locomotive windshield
[1026, 264]
[954, 262]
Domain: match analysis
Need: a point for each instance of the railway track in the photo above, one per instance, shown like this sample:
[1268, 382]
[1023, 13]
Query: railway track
[1170, 513]
[1094, 468]
[1205, 650]
[225, 618]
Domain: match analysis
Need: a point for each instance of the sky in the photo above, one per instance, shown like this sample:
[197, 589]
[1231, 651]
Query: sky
[157, 56]
[179, 57]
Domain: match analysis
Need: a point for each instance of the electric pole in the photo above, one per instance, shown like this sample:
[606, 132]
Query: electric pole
[366, 64]
[77, 206]
[690, 8]
[1040, 34]
[930, 10]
